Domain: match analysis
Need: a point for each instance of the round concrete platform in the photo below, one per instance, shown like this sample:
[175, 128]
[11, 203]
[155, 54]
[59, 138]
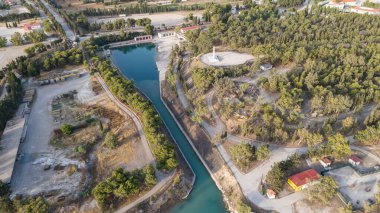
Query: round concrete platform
[226, 59]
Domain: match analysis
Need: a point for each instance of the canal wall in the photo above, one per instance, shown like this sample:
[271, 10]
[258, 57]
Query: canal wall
[225, 198]
[183, 156]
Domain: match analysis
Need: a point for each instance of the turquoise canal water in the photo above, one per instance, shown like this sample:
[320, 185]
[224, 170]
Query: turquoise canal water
[137, 63]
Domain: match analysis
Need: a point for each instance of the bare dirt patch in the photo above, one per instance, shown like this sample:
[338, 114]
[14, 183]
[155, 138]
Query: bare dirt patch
[62, 168]
[305, 206]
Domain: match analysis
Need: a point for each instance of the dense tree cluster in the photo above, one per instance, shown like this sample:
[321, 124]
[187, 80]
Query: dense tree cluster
[21, 16]
[243, 154]
[3, 41]
[118, 24]
[370, 135]
[35, 49]
[267, 125]
[28, 205]
[335, 56]
[289, 3]
[332, 68]
[277, 176]
[9, 104]
[323, 191]
[123, 88]
[35, 36]
[31, 66]
[122, 184]
[141, 8]
[337, 146]
[371, 4]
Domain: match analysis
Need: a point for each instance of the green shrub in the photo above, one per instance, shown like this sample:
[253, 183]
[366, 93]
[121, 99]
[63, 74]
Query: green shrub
[66, 129]
[110, 141]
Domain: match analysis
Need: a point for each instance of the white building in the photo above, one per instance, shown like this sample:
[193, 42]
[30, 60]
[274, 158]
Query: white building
[325, 162]
[354, 160]
[266, 67]
[166, 34]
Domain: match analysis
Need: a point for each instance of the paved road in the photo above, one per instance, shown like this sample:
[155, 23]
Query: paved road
[69, 32]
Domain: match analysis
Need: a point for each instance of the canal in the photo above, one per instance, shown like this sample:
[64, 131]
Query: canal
[137, 63]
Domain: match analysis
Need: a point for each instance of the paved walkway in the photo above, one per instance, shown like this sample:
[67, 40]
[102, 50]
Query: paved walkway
[181, 94]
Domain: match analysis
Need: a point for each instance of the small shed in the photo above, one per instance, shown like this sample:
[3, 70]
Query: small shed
[271, 194]
[354, 160]
[266, 67]
[325, 162]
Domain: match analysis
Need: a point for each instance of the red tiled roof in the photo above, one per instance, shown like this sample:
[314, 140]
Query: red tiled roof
[355, 158]
[367, 9]
[304, 177]
[190, 28]
[326, 160]
[271, 192]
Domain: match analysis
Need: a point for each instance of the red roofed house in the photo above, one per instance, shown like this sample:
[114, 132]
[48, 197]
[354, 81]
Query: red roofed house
[355, 160]
[347, 2]
[31, 26]
[341, 4]
[185, 29]
[325, 162]
[271, 194]
[365, 10]
[302, 180]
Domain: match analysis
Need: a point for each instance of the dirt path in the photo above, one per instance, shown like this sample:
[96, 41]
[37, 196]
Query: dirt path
[146, 196]
[134, 117]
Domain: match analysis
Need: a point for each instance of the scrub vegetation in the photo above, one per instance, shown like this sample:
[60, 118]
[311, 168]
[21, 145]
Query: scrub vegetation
[122, 184]
[334, 72]
[123, 88]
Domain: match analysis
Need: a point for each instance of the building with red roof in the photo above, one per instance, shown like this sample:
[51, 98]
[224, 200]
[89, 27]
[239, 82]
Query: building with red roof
[354, 160]
[365, 10]
[271, 194]
[325, 162]
[31, 26]
[302, 180]
[185, 29]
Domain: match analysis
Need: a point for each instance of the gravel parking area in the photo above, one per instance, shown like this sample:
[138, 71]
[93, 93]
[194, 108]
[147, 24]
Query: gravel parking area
[359, 189]
[27, 177]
